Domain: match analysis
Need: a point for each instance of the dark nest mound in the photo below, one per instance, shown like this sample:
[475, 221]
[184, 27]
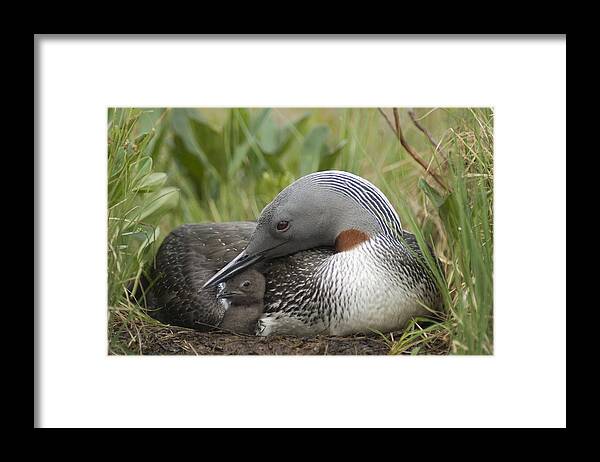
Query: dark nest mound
[137, 336]
[157, 340]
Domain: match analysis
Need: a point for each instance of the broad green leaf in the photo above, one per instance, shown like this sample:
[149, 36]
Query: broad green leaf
[328, 159]
[240, 154]
[274, 163]
[165, 200]
[312, 148]
[297, 126]
[151, 182]
[256, 123]
[143, 137]
[241, 117]
[140, 168]
[181, 128]
[189, 162]
[287, 134]
[149, 119]
[157, 141]
[269, 136]
[272, 139]
[211, 143]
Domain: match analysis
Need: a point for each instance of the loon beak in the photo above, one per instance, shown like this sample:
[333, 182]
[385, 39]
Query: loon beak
[231, 294]
[235, 266]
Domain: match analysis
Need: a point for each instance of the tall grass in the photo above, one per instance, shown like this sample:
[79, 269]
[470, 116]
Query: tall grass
[464, 215]
[136, 201]
[227, 164]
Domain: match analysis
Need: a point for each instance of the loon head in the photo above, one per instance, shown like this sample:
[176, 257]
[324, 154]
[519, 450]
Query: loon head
[331, 208]
[244, 289]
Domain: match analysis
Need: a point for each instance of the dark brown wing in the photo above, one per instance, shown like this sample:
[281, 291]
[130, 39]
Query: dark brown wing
[186, 259]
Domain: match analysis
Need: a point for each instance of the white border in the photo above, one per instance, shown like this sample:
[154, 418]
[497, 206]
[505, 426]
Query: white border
[523, 384]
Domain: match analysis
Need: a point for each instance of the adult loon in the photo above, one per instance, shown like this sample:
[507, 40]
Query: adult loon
[333, 254]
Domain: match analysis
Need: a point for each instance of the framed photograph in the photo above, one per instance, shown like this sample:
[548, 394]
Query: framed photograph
[319, 231]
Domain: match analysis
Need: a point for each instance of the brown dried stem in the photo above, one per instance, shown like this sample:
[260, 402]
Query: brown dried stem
[429, 136]
[398, 132]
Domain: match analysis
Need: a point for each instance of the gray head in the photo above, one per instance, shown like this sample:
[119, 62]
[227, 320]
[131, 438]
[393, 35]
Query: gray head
[246, 288]
[331, 208]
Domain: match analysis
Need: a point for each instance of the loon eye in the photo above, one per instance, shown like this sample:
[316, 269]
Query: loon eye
[283, 225]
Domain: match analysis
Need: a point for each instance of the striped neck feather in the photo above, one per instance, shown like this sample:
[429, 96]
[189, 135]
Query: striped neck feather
[365, 194]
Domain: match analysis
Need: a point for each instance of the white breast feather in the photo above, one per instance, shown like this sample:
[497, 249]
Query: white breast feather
[362, 290]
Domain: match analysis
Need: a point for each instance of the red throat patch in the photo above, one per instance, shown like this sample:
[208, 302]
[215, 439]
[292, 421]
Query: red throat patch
[349, 239]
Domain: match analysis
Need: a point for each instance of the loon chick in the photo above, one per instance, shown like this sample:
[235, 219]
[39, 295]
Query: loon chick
[243, 295]
[332, 250]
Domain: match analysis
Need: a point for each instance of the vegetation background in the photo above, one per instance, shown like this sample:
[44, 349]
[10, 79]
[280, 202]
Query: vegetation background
[167, 167]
